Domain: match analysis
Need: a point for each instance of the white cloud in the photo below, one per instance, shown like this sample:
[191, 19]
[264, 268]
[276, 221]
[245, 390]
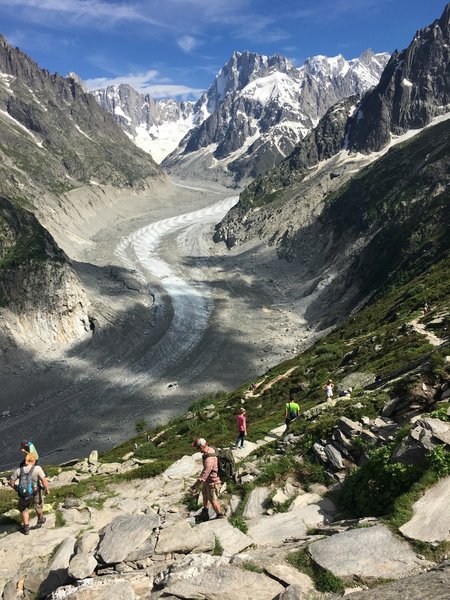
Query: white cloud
[146, 83]
[187, 43]
[81, 12]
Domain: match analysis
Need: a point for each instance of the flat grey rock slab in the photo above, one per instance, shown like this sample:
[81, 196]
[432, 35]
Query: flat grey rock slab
[15, 549]
[256, 503]
[273, 530]
[125, 534]
[63, 555]
[431, 519]
[187, 466]
[241, 453]
[367, 552]
[233, 540]
[97, 590]
[287, 575]
[226, 583]
[432, 585]
[182, 538]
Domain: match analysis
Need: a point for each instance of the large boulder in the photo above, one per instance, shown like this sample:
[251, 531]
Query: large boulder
[231, 539]
[431, 519]
[225, 583]
[425, 436]
[433, 585]
[371, 552]
[125, 534]
[182, 538]
[256, 503]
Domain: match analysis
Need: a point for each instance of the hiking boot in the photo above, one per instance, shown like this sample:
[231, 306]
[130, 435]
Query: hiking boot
[40, 522]
[220, 516]
[202, 517]
[25, 529]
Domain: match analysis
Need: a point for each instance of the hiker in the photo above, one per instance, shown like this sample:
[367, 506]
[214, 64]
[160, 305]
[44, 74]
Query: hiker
[328, 387]
[29, 480]
[292, 410]
[208, 479]
[426, 309]
[28, 447]
[241, 422]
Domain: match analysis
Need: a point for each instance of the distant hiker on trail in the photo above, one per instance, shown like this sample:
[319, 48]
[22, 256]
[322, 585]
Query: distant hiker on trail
[426, 309]
[28, 447]
[241, 422]
[292, 410]
[328, 387]
[29, 480]
[208, 479]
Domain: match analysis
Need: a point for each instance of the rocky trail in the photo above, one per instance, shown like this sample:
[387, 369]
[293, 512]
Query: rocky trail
[138, 540]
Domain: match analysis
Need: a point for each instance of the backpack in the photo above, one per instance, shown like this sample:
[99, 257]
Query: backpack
[292, 415]
[226, 467]
[25, 487]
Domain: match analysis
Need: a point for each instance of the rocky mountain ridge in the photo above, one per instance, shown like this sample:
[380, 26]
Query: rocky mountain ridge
[56, 142]
[252, 115]
[259, 108]
[156, 126]
[287, 205]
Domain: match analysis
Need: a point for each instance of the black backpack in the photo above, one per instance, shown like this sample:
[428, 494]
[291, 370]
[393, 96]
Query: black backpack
[25, 487]
[226, 467]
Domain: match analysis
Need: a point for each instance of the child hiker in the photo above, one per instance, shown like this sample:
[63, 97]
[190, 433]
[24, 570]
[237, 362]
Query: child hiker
[241, 422]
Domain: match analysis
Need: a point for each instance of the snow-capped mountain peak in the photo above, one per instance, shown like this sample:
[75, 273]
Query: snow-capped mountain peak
[253, 114]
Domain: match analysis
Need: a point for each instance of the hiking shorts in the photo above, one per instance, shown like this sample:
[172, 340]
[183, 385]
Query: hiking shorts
[34, 502]
[211, 492]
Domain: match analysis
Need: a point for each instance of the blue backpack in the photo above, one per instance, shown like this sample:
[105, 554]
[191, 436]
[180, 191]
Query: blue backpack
[25, 487]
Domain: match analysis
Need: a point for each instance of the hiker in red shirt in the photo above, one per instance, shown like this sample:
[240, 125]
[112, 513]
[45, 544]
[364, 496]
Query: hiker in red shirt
[241, 422]
[208, 479]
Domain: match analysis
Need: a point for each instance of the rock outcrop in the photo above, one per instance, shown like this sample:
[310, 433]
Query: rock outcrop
[41, 298]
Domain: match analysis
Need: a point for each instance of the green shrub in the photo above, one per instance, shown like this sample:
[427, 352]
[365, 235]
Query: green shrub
[218, 548]
[145, 471]
[8, 499]
[324, 580]
[441, 413]
[59, 519]
[276, 470]
[141, 426]
[439, 461]
[308, 473]
[147, 450]
[239, 522]
[372, 489]
[250, 566]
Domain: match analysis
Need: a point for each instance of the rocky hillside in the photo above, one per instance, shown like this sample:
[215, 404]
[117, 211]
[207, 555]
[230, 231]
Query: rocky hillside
[259, 108]
[57, 149]
[156, 126]
[413, 90]
[355, 495]
[55, 136]
[41, 298]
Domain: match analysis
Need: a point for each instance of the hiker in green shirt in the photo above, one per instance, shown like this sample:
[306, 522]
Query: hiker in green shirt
[292, 410]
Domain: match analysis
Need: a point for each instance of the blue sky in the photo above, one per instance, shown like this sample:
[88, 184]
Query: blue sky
[175, 47]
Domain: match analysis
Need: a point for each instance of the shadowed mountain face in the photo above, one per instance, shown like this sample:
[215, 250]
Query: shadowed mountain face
[414, 88]
[41, 299]
[56, 137]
